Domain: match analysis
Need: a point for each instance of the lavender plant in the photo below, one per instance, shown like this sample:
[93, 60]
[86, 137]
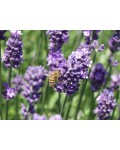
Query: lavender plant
[106, 104]
[13, 55]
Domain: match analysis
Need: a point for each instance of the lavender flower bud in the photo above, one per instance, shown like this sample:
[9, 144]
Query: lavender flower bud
[101, 48]
[115, 81]
[115, 63]
[106, 104]
[9, 92]
[2, 36]
[90, 35]
[114, 42]
[13, 55]
[97, 76]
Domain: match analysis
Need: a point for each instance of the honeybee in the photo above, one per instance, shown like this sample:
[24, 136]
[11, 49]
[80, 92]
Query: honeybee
[53, 77]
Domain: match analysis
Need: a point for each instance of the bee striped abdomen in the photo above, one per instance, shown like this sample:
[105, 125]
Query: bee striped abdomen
[54, 77]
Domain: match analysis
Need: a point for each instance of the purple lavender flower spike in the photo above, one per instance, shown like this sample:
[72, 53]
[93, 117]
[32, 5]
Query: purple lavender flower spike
[18, 82]
[34, 79]
[9, 92]
[2, 36]
[115, 81]
[57, 39]
[97, 76]
[38, 117]
[75, 71]
[56, 117]
[114, 42]
[106, 104]
[13, 55]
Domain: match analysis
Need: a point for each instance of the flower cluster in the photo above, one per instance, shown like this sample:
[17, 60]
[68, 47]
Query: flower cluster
[115, 81]
[34, 78]
[75, 70]
[13, 55]
[2, 36]
[9, 92]
[114, 42]
[97, 76]
[57, 38]
[106, 104]
[56, 61]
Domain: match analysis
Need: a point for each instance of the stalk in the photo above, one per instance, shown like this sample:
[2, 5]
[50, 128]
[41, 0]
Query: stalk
[68, 109]
[17, 105]
[59, 102]
[39, 47]
[79, 103]
[108, 76]
[117, 97]
[46, 43]
[7, 102]
[44, 96]
[0, 85]
[61, 112]
[91, 115]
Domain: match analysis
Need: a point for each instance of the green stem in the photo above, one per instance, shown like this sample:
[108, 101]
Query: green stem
[17, 107]
[44, 96]
[39, 47]
[108, 76]
[92, 102]
[79, 103]
[0, 84]
[46, 43]
[59, 102]
[117, 97]
[61, 112]
[9, 82]
[68, 109]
